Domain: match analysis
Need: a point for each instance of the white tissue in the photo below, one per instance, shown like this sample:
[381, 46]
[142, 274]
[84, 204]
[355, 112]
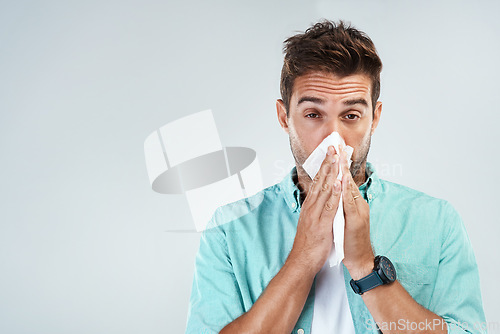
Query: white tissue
[311, 166]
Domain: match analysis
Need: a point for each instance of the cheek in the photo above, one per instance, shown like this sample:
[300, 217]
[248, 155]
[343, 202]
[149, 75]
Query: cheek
[306, 138]
[311, 140]
[314, 131]
[359, 142]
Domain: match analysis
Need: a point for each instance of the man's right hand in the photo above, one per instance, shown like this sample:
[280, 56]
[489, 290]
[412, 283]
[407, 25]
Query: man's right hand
[314, 238]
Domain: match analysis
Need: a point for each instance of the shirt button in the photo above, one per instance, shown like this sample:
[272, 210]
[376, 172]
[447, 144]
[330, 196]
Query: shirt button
[294, 205]
[300, 331]
[370, 196]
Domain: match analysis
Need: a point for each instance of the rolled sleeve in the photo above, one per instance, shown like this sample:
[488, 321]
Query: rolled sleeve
[457, 295]
[215, 298]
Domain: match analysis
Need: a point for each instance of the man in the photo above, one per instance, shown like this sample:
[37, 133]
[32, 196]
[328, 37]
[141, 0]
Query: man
[259, 273]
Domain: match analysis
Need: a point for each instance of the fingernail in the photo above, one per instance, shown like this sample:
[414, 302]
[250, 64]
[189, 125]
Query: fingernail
[335, 158]
[329, 151]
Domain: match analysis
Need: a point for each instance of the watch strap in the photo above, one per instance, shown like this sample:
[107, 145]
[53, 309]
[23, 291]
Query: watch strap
[366, 283]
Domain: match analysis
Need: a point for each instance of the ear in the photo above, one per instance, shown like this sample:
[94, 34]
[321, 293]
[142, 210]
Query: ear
[376, 116]
[282, 117]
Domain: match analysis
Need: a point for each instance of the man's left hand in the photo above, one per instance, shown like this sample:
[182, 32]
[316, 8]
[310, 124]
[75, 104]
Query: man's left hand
[358, 253]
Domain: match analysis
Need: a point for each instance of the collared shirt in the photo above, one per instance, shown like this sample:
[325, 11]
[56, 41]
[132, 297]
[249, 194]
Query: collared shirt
[423, 236]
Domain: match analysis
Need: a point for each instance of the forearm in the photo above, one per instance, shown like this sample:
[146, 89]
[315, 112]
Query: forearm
[278, 308]
[395, 311]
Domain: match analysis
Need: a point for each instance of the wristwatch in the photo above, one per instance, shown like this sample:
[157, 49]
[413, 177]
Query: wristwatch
[383, 273]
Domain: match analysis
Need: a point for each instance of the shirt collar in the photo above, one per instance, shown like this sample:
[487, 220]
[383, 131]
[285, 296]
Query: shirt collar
[369, 189]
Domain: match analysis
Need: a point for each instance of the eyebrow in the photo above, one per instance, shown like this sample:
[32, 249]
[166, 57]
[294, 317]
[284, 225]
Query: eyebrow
[311, 99]
[356, 101]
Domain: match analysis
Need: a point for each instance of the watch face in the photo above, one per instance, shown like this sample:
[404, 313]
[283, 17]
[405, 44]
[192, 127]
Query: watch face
[387, 268]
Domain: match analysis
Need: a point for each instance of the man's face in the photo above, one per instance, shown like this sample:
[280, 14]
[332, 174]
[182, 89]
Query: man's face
[322, 103]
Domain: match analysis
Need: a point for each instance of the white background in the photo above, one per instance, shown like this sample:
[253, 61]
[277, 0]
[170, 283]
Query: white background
[86, 246]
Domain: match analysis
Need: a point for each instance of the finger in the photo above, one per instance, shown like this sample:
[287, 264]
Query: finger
[318, 180]
[332, 203]
[350, 191]
[326, 189]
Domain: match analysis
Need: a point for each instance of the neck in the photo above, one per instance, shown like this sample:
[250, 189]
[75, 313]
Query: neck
[303, 181]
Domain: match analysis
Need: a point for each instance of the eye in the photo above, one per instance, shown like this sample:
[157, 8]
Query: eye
[312, 115]
[352, 117]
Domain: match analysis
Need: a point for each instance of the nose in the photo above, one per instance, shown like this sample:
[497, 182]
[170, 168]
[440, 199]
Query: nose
[331, 127]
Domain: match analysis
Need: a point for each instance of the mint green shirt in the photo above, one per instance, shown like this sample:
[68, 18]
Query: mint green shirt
[423, 236]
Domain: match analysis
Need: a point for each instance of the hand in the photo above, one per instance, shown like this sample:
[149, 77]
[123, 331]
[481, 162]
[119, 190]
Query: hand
[358, 253]
[314, 237]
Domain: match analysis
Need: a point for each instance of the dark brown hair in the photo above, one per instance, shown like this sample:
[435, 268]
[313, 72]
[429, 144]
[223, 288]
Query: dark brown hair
[330, 47]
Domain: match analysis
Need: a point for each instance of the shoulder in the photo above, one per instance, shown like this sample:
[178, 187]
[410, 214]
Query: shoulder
[255, 200]
[404, 193]
[401, 197]
[233, 212]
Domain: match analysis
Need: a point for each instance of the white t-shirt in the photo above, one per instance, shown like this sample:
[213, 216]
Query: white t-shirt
[331, 308]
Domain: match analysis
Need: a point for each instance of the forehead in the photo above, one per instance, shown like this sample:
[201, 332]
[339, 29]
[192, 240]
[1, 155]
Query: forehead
[328, 86]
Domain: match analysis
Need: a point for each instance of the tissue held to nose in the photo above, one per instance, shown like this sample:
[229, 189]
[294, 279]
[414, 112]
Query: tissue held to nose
[314, 161]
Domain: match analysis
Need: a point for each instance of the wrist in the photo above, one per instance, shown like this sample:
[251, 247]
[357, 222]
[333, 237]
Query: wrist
[301, 264]
[360, 269]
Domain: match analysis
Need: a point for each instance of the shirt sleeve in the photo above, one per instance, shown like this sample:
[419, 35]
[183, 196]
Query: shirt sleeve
[457, 294]
[215, 297]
